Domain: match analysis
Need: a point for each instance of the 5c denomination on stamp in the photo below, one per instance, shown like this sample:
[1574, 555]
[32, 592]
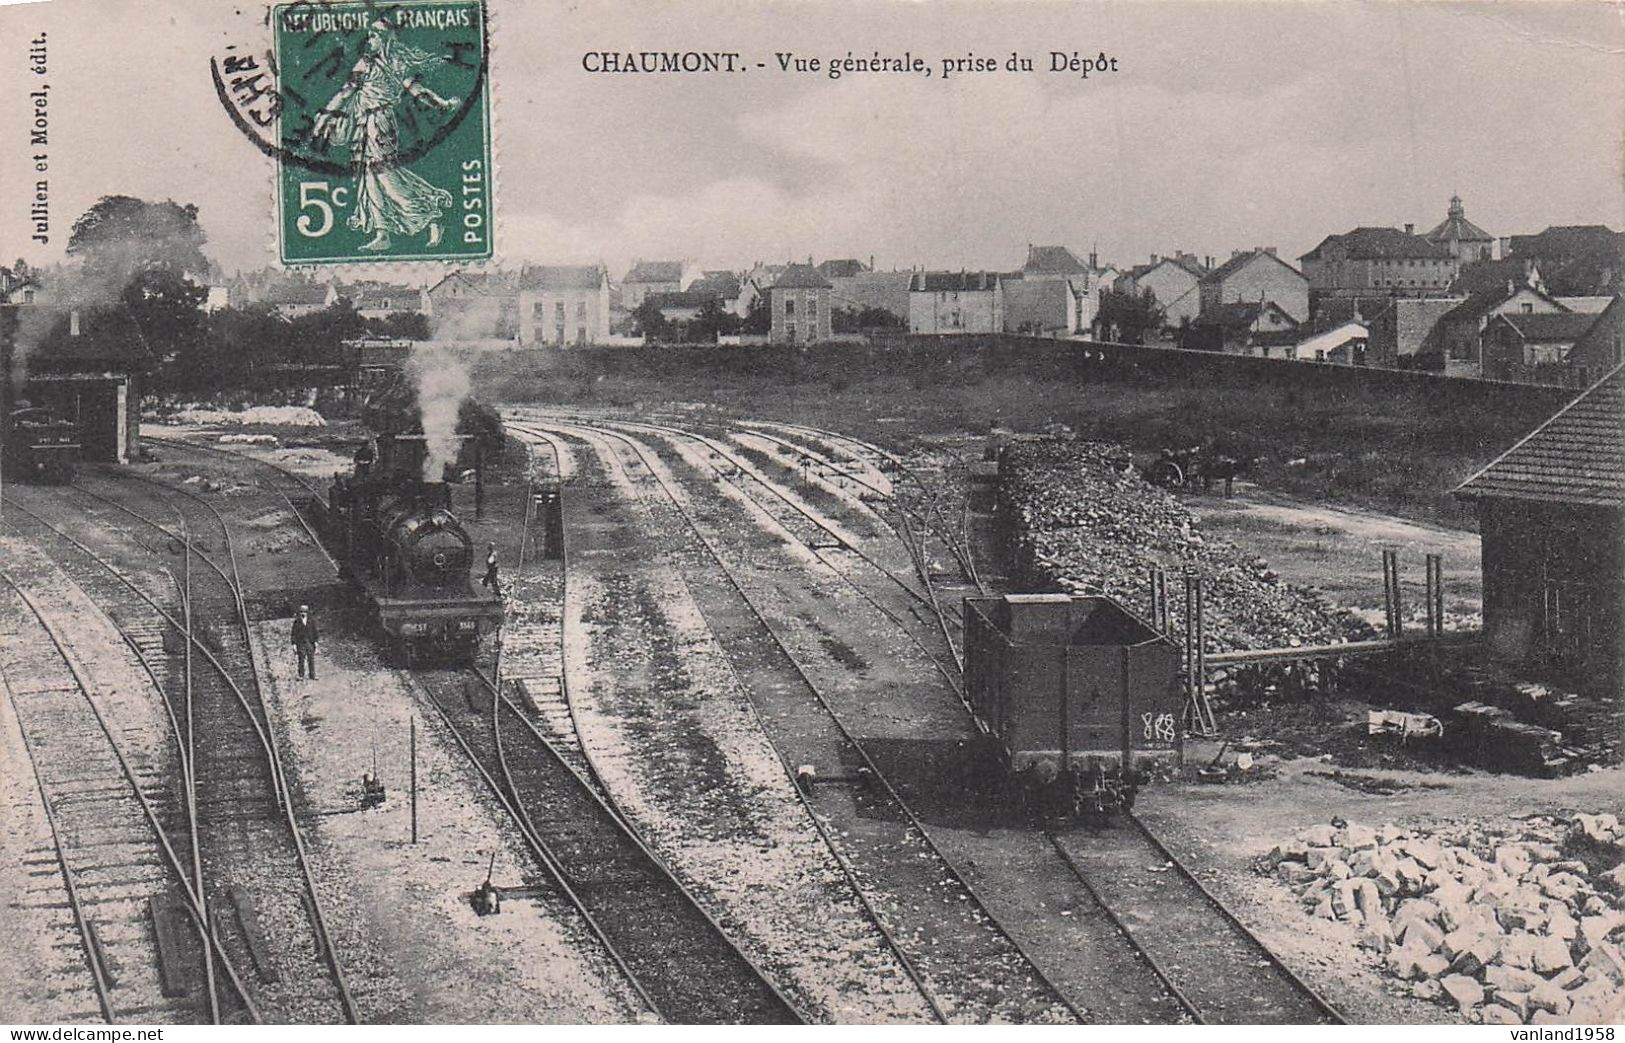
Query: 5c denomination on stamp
[379, 119]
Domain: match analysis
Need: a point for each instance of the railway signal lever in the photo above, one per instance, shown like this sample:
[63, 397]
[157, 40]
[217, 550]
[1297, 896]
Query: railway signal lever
[487, 898]
[807, 777]
[372, 790]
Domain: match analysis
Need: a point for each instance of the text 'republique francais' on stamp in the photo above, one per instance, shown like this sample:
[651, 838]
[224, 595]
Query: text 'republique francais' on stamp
[378, 117]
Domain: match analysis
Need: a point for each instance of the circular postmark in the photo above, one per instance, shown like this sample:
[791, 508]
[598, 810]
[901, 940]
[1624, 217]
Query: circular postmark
[345, 88]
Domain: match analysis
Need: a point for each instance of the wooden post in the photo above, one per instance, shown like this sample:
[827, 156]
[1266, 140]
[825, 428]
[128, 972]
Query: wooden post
[1126, 708]
[1066, 709]
[1190, 652]
[1390, 593]
[1201, 648]
[412, 753]
[1436, 592]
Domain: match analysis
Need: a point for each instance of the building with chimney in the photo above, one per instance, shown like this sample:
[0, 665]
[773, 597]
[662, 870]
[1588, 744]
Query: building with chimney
[563, 304]
[1575, 260]
[956, 302]
[1176, 282]
[1252, 276]
[1460, 331]
[646, 277]
[1378, 262]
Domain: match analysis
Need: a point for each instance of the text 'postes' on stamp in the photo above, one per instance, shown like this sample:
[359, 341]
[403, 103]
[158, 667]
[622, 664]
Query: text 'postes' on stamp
[379, 120]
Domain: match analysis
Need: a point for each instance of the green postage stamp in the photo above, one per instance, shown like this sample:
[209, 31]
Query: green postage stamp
[383, 132]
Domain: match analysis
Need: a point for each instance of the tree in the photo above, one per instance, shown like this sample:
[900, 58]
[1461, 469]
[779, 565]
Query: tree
[236, 347]
[121, 235]
[1129, 314]
[140, 255]
[401, 325]
[852, 320]
[318, 338]
[649, 321]
[759, 319]
[712, 321]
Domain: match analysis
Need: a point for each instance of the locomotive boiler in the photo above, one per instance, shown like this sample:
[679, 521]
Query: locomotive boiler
[408, 556]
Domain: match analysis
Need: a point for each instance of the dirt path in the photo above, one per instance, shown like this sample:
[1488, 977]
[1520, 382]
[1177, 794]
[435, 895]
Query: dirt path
[1339, 550]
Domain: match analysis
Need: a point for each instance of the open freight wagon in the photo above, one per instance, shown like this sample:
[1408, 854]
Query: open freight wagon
[1081, 697]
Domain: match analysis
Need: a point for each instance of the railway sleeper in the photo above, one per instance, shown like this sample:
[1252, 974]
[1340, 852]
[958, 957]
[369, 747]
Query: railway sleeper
[253, 933]
[173, 933]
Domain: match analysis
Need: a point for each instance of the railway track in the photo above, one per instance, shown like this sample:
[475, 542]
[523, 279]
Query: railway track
[1160, 923]
[1221, 972]
[1188, 919]
[301, 496]
[260, 889]
[530, 656]
[930, 520]
[103, 806]
[930, 1002]
[840, 550]
[1216, 967]
[675, 957]
[887, 846]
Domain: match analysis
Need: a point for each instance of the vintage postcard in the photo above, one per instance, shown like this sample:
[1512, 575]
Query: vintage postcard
[835, 512]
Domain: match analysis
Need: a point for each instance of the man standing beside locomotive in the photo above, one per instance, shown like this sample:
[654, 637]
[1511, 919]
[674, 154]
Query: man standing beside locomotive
[304, 641]
[490, 579]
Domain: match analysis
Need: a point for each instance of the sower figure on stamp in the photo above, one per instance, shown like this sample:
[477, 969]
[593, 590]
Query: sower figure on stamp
[389, 198]
[490, 580]
[304, 642]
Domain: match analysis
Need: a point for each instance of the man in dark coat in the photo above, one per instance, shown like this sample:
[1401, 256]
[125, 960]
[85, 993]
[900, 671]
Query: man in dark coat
[304, 641]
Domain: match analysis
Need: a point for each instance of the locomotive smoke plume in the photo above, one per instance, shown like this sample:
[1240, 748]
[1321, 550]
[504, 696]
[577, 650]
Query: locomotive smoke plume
[442, 385]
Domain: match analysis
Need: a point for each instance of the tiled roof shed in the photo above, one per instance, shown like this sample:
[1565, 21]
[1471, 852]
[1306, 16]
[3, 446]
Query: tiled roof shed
[1576, 457]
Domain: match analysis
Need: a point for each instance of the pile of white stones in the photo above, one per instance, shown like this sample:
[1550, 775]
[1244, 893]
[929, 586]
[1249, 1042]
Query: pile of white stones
[1509, 926]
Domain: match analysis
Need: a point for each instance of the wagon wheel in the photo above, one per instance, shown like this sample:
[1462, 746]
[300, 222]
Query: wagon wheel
[1165, 474]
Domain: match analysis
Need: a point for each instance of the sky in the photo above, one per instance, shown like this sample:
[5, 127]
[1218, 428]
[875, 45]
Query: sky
[1228, 125]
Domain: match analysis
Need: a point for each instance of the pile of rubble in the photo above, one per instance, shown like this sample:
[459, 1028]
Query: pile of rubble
[285, 416]
[1077, 516]
[1511, 927]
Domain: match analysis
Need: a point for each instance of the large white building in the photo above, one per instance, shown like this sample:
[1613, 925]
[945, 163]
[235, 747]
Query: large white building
[561, 305]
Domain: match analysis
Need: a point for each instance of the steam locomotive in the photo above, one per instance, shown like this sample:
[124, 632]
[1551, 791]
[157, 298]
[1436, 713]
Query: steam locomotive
[41, 446]
[407, 556]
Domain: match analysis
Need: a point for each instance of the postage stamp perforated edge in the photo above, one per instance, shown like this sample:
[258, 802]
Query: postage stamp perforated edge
[400, 267]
